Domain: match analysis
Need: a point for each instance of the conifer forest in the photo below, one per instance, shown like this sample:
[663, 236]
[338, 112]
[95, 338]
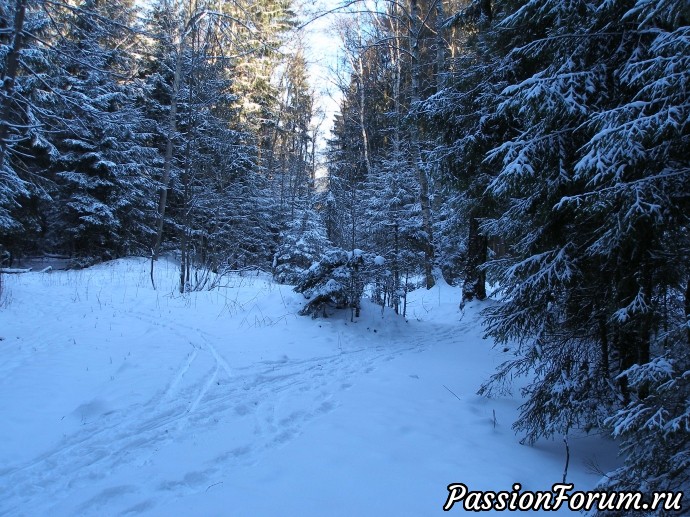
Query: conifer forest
[533, 153]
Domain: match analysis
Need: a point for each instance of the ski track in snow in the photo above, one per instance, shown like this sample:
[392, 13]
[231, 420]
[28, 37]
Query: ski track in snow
[204, 393]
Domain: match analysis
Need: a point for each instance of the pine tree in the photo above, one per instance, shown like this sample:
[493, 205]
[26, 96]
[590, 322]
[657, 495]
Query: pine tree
[79, 145]
[592, 188]
[394, 221]
[303, 243]
[262, 29]
[101, 206]
[637, 165]
[469, 100]
[21, 129]
[291, 163]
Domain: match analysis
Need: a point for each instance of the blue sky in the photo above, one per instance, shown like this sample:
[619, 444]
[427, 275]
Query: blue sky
[322, 52]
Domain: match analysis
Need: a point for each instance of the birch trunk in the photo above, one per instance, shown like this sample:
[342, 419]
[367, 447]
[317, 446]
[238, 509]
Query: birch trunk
[424, 197]
[167, 160]
[440, 47]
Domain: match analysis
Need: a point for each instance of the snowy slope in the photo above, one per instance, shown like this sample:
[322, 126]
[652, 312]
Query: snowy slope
[117, 399]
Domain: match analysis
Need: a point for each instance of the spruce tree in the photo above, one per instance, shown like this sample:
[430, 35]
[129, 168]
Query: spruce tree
[101, 204]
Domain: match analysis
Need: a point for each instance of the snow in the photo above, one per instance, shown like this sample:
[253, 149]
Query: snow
[120, 399]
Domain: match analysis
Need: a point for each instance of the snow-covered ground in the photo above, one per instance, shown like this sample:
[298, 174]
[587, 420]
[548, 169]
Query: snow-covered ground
[118, 399]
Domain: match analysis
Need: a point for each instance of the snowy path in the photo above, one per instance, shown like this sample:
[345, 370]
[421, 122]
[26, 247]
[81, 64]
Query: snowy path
[124, 404]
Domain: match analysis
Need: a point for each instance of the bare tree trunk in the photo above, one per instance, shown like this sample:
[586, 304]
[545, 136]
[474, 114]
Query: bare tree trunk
[407, 279]
[395, 55]
[185, 277]
[396, 271]
[365, 138]
[359, 67]
[424, 197]
[11, 70]
[183, 259]
[167, 160]
[440, 47]
[397, 80]
[474, 286]
[687, 307]
[167, 164]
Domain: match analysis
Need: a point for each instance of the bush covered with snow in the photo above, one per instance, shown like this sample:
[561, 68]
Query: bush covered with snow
[338, 281]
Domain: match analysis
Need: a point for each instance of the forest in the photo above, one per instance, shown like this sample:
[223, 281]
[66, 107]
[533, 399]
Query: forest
[535, 152]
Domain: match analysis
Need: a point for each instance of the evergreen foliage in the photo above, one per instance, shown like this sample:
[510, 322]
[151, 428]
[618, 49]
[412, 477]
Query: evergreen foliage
[589, 193]
[539, 144]
[338, 280]
[303, 243]
[126, 130]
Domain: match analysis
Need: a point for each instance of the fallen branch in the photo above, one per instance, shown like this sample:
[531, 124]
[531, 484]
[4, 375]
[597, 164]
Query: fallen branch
[451, 392]
[214, 484]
